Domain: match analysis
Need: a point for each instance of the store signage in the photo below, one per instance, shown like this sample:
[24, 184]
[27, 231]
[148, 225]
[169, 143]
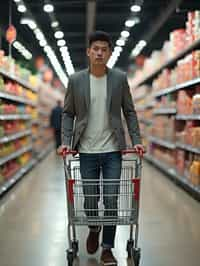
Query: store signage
[11, 34]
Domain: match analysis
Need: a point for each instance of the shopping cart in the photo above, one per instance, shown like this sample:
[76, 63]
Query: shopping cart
[123, 201]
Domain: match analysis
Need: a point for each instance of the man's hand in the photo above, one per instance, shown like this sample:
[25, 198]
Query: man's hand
[139, 149]
[62, 149]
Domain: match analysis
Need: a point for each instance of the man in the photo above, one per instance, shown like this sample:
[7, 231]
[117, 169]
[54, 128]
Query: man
[55, 123]
[93, 101]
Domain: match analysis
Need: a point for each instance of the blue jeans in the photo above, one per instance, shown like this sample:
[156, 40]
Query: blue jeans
[91, 165]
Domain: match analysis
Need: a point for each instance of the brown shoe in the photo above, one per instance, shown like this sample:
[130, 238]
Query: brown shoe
[107, 258]
[92, 243]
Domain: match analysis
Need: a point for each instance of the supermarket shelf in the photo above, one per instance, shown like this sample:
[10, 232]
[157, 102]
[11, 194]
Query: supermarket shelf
[144, 107]
[145, 121]
[15, 154]
[19, 99]
[175, 145]
[139, 97]
[188, 148]
[164, 111]
[15, 117]
[18, 80]
[187, 117]
[15, 136]
[171, 63]
[35, 122]
[175, 176]
[184, 85]
[163, 143]
[8, 184]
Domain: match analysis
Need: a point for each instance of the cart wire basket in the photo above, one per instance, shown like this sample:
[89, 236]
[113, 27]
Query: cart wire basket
[98, 202]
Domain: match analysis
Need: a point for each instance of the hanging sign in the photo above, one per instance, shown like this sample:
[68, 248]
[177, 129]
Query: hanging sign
[11, 34]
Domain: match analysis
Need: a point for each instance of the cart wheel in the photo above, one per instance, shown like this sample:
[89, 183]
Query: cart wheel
[129, 248]
[75, 248]
[70, 257]
[136, 256]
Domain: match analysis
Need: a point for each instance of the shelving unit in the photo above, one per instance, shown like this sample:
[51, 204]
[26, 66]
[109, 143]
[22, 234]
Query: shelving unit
[8, 184]
[18, 80]
[15, 136]
[175, 176]
[188, 117]
[165, 111]
[185, 85]
[14, 98]
[164, 143]
[188, 148]
[161, 114]
[15, 154]
[31, 123]
[170, 64]
[15, 117]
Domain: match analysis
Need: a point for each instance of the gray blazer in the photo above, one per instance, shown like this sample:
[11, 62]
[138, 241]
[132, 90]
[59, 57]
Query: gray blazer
[77, 101]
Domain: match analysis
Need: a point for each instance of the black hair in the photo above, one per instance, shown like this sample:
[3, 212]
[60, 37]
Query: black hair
[100, 36]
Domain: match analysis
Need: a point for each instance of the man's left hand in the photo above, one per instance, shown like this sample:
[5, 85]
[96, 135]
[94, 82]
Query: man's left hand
[139, 149]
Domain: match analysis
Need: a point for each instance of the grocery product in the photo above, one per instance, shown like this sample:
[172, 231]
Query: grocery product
[196, 104]
[195, 173]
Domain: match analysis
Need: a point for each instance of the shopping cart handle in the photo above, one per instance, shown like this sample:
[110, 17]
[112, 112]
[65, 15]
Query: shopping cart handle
[130, 151]
[66, 152]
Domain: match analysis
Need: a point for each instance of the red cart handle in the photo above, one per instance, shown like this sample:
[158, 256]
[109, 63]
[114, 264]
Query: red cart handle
[65, 152]
[132, 151]
[129, 151]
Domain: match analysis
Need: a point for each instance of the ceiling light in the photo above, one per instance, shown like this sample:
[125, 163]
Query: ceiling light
[39, 36]
[21, 8]
[32, 25]
[136, 8]
[37, 30]
[48, 8]
[28, 21]
[61, 42]
[142, 43]
[129, 23]
[64, 49]
[118, 48]
[54, 24]
[125, 34]
[59, 34]
[47, 49]
[43, 43]
[116, 54]
[16, 1]
[120, 42]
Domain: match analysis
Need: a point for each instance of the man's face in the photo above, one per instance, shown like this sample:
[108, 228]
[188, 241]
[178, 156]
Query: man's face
[99, 53]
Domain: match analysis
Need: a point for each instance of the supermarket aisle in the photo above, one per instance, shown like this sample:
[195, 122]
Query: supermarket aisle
[32, 222]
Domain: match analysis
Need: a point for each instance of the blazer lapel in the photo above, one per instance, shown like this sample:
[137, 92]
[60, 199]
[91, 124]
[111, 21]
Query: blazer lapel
[109, 88]
[87, 88]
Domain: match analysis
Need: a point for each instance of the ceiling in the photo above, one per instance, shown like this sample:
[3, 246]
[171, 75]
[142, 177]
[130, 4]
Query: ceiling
[78, 17]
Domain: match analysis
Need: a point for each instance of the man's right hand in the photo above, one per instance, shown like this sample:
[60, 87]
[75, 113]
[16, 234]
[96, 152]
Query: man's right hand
[62, 149]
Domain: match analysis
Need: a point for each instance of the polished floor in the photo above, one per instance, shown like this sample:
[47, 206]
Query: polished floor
[33, 222]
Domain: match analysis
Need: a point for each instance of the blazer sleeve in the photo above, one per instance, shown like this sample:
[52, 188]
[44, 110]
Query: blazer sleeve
[130, 114]
[68, 115]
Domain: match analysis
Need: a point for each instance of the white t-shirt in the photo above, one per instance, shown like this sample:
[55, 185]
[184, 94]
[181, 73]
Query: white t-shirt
[98, 136]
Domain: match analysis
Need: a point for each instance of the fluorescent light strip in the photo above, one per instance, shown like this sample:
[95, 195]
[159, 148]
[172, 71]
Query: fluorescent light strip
[124, 35]
[48, 8]
[22, 50]
[114, 57]
[136, 8]
[50, 53]
[138, 48]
